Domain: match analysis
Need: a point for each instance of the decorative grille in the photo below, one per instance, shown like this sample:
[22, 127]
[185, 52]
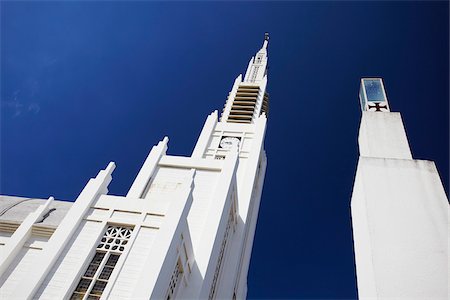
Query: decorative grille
[255, 72]
[95, 278]
[174, 279]
[115, 238]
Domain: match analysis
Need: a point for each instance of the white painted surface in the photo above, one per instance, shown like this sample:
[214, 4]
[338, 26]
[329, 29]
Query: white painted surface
[144, 175]
[14, 274]
[16, 209]
[400, 217]
[382, 135]
[204, 185]
[133, 266]
[73, 259]
[21, 235]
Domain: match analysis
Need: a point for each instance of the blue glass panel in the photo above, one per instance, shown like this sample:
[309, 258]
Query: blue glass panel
[374, 90]
[362, 98]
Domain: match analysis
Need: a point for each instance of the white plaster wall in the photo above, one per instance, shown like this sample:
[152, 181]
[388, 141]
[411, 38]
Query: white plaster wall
[133, 266]
[237, 257]
[157, 268]
[207, 221]
[400, 221]
[166, 180]
[382, 134]
[205, 183]
[236, 262]
[15, 272]
[5, 236]
[171, 256]
[74, 259]
[216, 230]
[234, 275]
[241, 292]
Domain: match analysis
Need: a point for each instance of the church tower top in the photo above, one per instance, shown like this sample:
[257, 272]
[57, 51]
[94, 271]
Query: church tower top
[248, 98]
[373, 95]
[381, 133]
[257, 67]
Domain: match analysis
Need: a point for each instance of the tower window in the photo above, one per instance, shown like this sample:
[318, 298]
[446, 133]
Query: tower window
[94, 280]
[174, 279]
[374, 90]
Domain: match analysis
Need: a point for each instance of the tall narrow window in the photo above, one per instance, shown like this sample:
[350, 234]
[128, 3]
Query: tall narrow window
[95, 278]
[174, 279]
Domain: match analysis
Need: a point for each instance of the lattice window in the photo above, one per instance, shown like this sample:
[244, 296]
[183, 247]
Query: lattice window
[255, 72]
[174, 279]
[95, 278]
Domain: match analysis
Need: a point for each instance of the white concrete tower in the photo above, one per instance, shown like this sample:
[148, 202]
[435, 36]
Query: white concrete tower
[184, 230]
[241, 128]
[399, 210]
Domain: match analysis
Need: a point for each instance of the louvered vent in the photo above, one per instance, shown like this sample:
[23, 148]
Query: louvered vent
[8, 227]
[265, 104]
[44, 231]
[244, 104]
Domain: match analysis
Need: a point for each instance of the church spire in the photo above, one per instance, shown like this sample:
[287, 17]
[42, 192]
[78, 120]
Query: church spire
[248, 98]
[257, 67]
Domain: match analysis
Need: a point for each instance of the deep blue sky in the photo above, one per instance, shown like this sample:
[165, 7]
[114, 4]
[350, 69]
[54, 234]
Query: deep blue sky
[84, 83]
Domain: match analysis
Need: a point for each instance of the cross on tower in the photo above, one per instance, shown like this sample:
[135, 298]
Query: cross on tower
[377, 106]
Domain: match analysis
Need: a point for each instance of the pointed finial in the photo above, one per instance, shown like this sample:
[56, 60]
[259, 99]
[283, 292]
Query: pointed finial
[266, 41]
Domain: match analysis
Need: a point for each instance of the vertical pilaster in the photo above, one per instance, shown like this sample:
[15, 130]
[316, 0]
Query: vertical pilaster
[205, 135]
[230, 99]
[21, 235]
[207, 253]
[259, 103]
[146, 172]
[95, 187]
[155, 277]
[241, 291]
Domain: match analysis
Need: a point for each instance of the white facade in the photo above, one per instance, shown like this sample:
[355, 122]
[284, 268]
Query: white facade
[184, 230]
[399, 209]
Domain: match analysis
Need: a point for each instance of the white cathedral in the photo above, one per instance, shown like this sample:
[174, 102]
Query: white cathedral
[185, 228]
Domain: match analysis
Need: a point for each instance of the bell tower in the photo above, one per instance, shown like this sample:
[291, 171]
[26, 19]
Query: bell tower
[248, 98]
[241, 128]
[399, 209]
